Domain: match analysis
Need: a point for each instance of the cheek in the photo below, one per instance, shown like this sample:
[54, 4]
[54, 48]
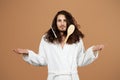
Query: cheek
[65, 23]
[58, 24]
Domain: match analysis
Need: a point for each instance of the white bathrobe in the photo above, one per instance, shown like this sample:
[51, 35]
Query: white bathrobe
[62, 62]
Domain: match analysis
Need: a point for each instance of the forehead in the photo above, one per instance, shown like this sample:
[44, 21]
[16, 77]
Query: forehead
[61, 16]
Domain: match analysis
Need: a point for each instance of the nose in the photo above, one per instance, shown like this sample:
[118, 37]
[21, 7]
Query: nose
[62, 23]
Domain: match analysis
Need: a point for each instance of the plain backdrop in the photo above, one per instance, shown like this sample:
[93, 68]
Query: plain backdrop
[23, 22]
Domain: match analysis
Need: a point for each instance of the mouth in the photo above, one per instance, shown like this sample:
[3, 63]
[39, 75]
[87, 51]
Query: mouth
[63, 27]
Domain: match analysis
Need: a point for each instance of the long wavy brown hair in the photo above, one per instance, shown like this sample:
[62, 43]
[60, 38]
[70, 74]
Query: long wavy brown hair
[73, 38]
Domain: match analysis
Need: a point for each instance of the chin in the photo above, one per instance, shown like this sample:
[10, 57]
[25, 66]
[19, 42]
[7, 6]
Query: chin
[62, 30]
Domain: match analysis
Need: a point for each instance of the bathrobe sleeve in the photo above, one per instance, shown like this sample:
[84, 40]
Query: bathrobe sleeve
[85, 57]
[39, 59]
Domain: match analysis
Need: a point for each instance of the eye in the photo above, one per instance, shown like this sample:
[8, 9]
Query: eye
[65, 20]
[59, 20]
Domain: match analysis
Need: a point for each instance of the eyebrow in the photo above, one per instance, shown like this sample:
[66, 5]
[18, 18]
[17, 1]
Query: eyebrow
[60, 19]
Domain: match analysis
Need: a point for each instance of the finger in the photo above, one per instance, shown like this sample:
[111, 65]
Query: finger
[14, 50]
[101, 47]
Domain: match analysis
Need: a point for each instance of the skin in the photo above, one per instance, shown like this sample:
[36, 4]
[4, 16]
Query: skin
[61, 23]
[62, 26]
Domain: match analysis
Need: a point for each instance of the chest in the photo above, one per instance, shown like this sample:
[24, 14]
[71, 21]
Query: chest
[57, 51]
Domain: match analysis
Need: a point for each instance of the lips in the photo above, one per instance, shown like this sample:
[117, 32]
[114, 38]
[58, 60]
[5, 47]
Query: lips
[62, 27]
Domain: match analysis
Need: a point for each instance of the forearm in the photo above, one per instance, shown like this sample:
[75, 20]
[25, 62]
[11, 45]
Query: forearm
[87, 57]
[34, 59]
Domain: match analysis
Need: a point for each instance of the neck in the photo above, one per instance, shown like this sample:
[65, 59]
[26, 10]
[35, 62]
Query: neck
[63, 37]
[61, 33]
[62, 43]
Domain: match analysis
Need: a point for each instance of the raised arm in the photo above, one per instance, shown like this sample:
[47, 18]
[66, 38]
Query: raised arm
[86, 57]
[31, 57]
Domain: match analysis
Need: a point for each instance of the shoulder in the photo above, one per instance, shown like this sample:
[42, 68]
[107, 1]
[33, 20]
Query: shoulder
[80, 42]
[43, 38]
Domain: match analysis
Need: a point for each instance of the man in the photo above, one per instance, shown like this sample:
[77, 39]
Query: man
[61, 58]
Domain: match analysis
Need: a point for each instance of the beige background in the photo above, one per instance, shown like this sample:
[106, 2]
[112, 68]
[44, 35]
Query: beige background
[23, 22]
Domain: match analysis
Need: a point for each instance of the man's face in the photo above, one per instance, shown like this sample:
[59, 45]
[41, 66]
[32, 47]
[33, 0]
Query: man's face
[61, 23]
